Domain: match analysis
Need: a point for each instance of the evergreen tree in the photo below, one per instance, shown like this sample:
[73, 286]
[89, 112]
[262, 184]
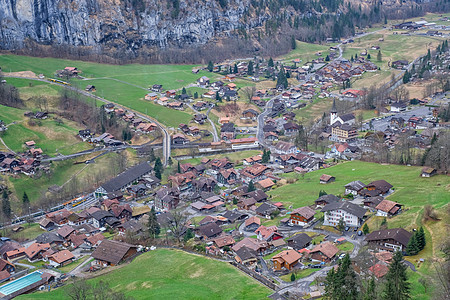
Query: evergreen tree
[251, 187]
[371, 292]
[292, 277]
[412, 248]
[195, 95]
[421, 242]
[25, 203]
[6, 205]
[397, 286]
[379, 56]
[235, 70]
[328, 58]
[158, 168]
[342, 284]
[153, 226]
[189, 235]
[352, 59]
[179, 168]
[183, 91]
[331, 288]
[365, 228]
[368, 56]
[210, 66]
[293, 43]
[218, 98]
[322, 193]
[270, 63]
[281, 78]
[250, 68]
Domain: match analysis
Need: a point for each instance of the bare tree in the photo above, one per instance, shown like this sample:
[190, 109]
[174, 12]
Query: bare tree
[78, 290]
[249, 92]
[177, 224]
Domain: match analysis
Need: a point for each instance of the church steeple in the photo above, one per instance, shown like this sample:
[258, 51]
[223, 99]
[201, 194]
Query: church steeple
[333, 109]
[333, 113]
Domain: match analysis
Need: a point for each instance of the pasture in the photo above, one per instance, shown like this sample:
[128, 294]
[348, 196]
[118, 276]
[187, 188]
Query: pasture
[173, 274]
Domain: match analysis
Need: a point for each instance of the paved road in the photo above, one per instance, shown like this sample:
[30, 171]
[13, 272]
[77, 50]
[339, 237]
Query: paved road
[166, 141]
[260, 119]
[214, 130]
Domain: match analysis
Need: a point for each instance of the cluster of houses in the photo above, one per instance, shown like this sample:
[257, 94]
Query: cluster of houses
[26, 163]
[68, 72]
[342, 70]
[298, 250]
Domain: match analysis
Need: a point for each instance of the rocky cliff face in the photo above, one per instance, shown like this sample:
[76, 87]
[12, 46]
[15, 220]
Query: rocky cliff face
[119, 24]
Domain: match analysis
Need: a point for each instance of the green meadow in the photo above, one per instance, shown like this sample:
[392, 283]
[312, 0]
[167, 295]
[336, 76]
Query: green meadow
[173, 274]
[123, 84]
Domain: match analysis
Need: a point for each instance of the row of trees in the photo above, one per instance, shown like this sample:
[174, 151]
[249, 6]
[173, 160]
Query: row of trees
[9, 95]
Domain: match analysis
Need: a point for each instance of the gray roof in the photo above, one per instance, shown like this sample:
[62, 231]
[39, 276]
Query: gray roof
[397, 234]
[330, 198]
[232, 216]
[349, 207]
[127, 177]
[258, 195]
[265, 209]
[347, 117]
[210, 230]
[245, 253]
[100, 214]
[49, 237]
[299, 241]
[355, 185]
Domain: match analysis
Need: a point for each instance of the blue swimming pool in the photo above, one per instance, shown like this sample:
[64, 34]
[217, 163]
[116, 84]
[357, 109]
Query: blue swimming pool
[20, 283]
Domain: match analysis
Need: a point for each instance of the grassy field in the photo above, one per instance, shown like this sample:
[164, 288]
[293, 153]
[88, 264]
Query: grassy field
[306, 52]
[48, 135]
[30, 232]
[172, 274]
[346, 247]
[409, 187]
[123, 84]
[298, 275]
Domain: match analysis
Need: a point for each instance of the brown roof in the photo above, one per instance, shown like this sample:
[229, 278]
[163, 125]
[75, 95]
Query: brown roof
[77, 239]
[250, 243]
[4, 274]
[252, 220]
[3, 263]
[327, 249]
[94, 239]
[305, 211]
[379, 270]
[266, 183]
[325, 177]
[386, 205]
[248, 201]
[35, 248]
[65, 231]
[289, 256]
[111, 251]
[62, 256]
[225, 240]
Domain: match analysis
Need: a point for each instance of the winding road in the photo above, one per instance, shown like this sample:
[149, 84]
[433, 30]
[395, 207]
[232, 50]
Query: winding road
[214, 129]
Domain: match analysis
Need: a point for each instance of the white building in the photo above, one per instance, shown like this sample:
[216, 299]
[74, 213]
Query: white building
[352, 214]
